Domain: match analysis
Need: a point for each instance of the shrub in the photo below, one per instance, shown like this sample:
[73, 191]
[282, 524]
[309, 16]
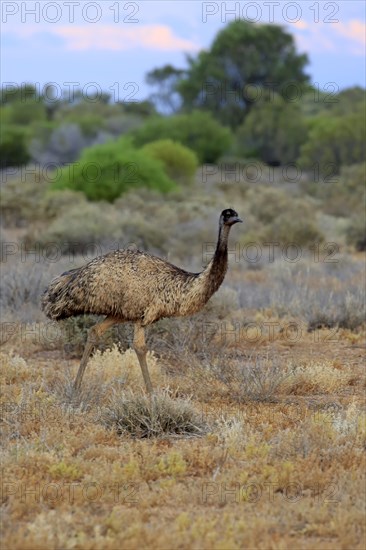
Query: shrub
[89, 397]
[21, 288]
[106, 171]
[197, 130]
[286, 219]
[333, 142]
[343, 194]
[20, 201]
[323, 295]
[78, 226]
[345, 310]
[356, 232]
[315, 377]
[180, 162]
[294, 227]
[81, 228]
[152, 416]
[54, 203]
[257, 380]
[268, 204]
[13, 147]
[24, 112]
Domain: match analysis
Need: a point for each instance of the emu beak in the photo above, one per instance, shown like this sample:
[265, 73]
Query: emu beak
[235, 219]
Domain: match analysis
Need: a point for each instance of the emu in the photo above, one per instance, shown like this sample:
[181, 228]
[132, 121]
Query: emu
[133, 286]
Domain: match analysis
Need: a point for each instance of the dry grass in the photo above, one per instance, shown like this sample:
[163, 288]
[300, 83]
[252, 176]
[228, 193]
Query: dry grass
[257, 379]
[159, 415]
[108, 470]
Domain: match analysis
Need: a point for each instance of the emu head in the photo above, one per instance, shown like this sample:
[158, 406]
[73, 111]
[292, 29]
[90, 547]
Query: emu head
[229, 217]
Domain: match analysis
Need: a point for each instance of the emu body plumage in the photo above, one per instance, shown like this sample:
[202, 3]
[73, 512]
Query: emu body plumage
[133, 286]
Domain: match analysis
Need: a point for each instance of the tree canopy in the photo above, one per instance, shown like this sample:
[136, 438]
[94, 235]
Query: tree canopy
[244, 60]
[273, 131]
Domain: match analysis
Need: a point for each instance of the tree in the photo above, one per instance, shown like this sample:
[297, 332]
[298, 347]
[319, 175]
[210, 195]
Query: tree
[166, 98]
[273, 131]
[244, 60]
[13, 147]
[198, 131]
[317, 102]
[334, 142]
[50, 101]
[23, 93]
[349, 100]
[141, 109]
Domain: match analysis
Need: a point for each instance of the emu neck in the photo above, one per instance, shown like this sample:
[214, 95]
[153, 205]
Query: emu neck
[218, 266]
[209, 280]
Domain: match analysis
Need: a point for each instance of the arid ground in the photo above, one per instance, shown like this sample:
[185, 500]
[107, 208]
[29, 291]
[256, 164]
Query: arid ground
[262, 394]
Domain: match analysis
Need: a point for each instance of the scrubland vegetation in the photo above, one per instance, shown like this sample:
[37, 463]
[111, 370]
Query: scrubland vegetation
[256, 435]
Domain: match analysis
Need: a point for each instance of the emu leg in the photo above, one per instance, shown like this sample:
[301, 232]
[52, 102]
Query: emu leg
[94, 334]
[141, 351]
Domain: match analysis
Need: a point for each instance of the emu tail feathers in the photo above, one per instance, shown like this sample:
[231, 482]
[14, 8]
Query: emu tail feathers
[58, 300]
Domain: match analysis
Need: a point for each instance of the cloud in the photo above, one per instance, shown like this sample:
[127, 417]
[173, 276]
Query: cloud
[113, 38]
[355, 32]
[313, 39]
[343, 37]
[301, 24]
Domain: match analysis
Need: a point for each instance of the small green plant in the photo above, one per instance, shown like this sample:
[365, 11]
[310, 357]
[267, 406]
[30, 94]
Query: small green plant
[180, 162]
[61, 470]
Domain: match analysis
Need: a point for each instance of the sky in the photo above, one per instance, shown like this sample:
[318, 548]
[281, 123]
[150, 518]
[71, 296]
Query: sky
[111, 45]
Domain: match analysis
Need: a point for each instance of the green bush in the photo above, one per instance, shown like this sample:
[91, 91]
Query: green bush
[334, 142]
[13, 147]
[106, 171]
[356, 232]
[24, 112]
[198, 131]
[273, 131]
[180, 162]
